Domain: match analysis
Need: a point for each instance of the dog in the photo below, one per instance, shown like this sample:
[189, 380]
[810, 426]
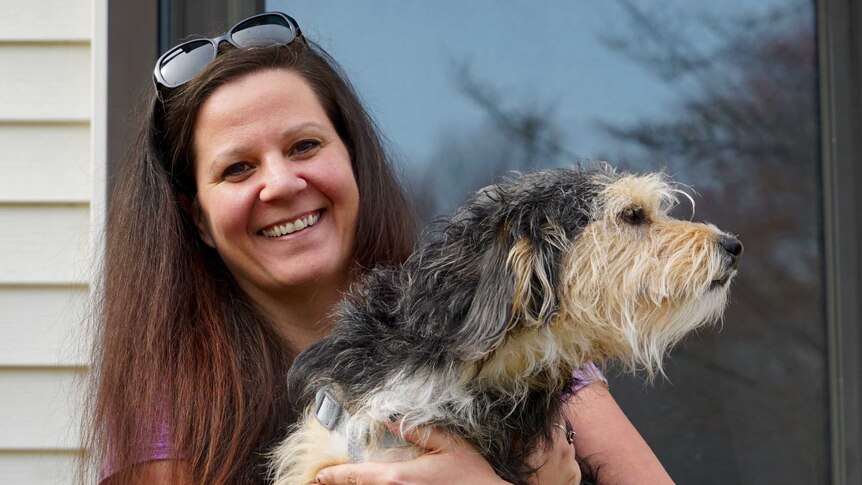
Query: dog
[478, 333]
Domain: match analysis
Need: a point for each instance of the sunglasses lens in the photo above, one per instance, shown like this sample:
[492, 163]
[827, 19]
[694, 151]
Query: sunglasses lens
[186, 60]
[263, 30]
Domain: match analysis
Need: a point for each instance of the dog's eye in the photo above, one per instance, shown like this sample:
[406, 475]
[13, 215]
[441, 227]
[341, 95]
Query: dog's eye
[634, 216]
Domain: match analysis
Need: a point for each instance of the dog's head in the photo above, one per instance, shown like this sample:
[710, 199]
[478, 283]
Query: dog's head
[586, 264]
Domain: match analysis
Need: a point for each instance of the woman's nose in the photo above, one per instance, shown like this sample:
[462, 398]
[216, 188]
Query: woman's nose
[280, 180]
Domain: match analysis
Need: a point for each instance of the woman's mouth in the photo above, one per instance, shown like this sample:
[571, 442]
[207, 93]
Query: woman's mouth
[293, 226]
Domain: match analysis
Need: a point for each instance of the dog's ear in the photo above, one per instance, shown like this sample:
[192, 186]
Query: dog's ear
[534, 263]
[516, 288]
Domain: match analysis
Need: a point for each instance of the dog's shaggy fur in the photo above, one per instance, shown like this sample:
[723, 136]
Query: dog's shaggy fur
[479, 332]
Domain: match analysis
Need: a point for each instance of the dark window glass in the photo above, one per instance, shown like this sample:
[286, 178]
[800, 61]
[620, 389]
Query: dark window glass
[720, 94]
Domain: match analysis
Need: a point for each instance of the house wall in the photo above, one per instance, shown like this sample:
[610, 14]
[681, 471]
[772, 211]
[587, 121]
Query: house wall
[52, 80]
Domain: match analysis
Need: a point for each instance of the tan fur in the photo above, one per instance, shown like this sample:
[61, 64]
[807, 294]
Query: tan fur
[520, 261]
[309, 449]
[514, 363]
[312, 447]
[524, 263]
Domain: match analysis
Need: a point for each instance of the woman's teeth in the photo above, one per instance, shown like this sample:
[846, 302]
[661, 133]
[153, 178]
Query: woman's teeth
[291, 227]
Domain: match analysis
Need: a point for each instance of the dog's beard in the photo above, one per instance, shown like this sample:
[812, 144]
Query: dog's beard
[631, 299]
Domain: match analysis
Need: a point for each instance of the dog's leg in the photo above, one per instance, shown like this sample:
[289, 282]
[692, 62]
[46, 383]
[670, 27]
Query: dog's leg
[309, 449]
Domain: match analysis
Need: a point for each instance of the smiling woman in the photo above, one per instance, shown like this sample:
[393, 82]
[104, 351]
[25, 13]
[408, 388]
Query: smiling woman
[200, 310]
[276, 195]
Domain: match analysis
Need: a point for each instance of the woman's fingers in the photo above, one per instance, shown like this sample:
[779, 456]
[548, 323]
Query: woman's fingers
[354, 474]
[433, 440]
[448, 460]
[555, 464]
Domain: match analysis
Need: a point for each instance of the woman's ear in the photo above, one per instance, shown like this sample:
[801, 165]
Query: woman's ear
[191, 206]
[203, 228]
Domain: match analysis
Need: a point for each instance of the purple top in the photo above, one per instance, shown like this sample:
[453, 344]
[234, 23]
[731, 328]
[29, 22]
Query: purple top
[160, 448]
[583, 377]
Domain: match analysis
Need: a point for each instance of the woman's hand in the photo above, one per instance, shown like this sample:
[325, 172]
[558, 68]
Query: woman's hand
[556, 465]
[449, 460]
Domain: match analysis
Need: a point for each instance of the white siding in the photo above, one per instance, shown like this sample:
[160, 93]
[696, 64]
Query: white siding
[45, 404]
[44, 244]
[45, 82]
[45, 162]
[49, 72]
[41, 325]
[33, 468]
[61, 20]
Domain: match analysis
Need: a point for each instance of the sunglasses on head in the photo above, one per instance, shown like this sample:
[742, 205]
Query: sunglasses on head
[180, 64]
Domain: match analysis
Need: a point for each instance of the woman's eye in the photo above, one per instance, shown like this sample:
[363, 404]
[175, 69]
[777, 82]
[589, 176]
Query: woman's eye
[305, 147]
[236, 170]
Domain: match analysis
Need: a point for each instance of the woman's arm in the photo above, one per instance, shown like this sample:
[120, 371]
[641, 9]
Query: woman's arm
[608, 441]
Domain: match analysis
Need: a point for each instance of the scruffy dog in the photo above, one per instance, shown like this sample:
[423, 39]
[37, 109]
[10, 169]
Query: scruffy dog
[479, 332]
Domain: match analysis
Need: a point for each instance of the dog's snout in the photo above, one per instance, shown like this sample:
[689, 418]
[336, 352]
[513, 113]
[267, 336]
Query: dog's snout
[733, 247]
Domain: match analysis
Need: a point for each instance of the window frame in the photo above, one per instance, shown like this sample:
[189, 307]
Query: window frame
[132, 29]
[840, 58]
[181, 18]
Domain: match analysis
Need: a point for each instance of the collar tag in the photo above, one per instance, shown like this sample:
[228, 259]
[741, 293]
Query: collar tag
[328, 410]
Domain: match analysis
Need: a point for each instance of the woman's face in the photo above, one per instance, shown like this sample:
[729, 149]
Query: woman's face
[276, 191]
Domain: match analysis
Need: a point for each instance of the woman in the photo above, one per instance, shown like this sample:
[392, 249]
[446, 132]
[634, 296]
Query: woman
[257, 190]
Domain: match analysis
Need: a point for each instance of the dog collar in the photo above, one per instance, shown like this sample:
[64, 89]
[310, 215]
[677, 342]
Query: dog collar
[330, 413]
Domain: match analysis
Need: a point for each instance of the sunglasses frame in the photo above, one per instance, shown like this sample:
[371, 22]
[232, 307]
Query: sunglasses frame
[159, 79]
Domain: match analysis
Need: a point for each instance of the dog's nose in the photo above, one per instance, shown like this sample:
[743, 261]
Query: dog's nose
[734, 248]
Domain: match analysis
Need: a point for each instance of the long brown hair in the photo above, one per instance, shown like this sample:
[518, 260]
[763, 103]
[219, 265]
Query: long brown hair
[179, 348]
